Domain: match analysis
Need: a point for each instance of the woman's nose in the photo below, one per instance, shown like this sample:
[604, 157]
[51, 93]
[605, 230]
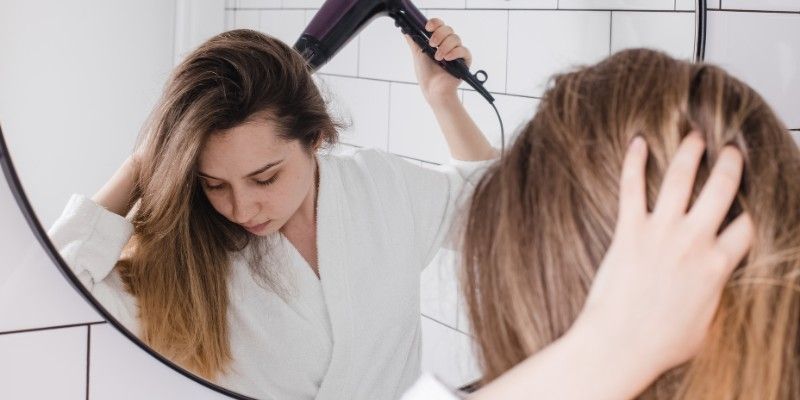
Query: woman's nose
[244, 207]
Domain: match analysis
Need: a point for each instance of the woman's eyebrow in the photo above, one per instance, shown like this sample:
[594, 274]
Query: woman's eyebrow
[256, 172]
[264, 168]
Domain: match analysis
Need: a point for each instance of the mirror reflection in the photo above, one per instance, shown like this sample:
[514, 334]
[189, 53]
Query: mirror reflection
[276, 232]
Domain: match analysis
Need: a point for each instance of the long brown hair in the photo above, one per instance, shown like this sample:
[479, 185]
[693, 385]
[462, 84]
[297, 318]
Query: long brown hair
[177, 263]
[543, 217]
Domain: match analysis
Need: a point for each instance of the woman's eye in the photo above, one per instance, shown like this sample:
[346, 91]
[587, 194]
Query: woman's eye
[213, 187]
[268, 181]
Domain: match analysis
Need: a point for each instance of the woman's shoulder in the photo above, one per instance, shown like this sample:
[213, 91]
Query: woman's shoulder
[364, 161]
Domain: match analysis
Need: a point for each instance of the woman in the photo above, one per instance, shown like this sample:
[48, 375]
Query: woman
[251, 258]
[543, 218]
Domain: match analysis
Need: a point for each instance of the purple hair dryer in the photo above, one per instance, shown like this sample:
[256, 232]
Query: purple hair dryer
[338, 21]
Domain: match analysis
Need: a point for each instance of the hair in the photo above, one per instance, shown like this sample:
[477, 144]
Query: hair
[543, 217]
[177, 262]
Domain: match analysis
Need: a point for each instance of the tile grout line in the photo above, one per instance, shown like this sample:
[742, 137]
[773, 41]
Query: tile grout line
[49, 328]
[610, 29]
[416, 84]
[389, 117]
[444, 324]
[508, 45]
[88, 354]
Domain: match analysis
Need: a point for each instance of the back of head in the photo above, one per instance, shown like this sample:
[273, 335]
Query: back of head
[543, 217]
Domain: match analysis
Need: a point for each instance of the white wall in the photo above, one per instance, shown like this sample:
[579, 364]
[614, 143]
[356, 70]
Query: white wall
[49, 335]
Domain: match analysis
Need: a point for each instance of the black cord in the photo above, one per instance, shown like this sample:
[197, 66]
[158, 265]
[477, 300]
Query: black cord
[502, 131]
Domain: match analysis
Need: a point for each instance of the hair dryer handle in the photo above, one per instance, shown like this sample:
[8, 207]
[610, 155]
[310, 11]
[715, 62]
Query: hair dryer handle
[411, 22]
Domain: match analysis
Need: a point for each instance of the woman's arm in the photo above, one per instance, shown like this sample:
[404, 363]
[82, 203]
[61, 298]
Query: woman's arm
[464, 138]
[656, 292]
[116, 195]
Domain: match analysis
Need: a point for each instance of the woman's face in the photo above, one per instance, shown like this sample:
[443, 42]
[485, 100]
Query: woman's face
[255, 178]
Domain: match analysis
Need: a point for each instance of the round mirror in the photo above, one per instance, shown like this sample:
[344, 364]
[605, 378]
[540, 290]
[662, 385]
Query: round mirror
[79, 80]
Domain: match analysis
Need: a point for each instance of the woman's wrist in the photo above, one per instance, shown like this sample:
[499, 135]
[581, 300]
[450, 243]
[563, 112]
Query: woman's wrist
[611, 361]
[443, 100]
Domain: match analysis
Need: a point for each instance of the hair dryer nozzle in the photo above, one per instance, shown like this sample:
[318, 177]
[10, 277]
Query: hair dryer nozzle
[312, 50]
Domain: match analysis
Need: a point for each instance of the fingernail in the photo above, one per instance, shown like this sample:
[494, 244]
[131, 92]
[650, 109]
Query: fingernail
[638, 144]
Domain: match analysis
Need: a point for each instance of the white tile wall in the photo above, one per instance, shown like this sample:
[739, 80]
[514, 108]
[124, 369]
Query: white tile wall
[486, 35]
[49, 364]
[771, 5]
[118, 368]
[513, 4]
[763, 49]
[671, 32]
[412, 126]
[286, 25]
[258, 3]
[247, 19]
[440, 3]
[439, 299]
[514, 110]
[364, 104]
[384, 54]
[542, 43]
[448, 353]
[618, 4]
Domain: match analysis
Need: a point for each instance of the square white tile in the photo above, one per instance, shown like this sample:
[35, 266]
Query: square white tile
[384, 53]
[763, 49]
[118, 368]
[617, 4]
[485, 34]
[286, 25]
[767, 5]
[513, 4]
[672, 32]
[439, 288]
[33, 293]
[48, 364]
[247, 19]
[440, 3]
[364, 104]
[449, 354]
[542, 43]
[303, 3]
[413, 131]
[515, 111]
[258, 3]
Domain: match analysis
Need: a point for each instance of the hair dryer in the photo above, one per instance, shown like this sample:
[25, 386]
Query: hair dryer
[338, 21]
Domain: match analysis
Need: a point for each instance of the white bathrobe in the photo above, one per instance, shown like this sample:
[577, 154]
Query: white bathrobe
[354, 334]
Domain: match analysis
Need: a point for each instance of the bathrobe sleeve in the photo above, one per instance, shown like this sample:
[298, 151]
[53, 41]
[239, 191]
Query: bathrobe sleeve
[436, 196]
[429, 388]
[90, 239]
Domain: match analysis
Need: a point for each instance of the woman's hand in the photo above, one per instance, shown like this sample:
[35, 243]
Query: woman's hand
[116, 195]
[656, 292]
[435, 82]
[660, 283]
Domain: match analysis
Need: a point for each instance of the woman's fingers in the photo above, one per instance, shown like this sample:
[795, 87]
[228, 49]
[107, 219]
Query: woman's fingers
[459, 52]
[439, 35]
[676, 189]
[719, 191]
[433, 24]
[734, 243]
[449, 43]
[632, 196]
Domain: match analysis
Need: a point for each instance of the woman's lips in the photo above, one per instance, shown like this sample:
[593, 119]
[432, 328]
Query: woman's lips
[256, 229]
